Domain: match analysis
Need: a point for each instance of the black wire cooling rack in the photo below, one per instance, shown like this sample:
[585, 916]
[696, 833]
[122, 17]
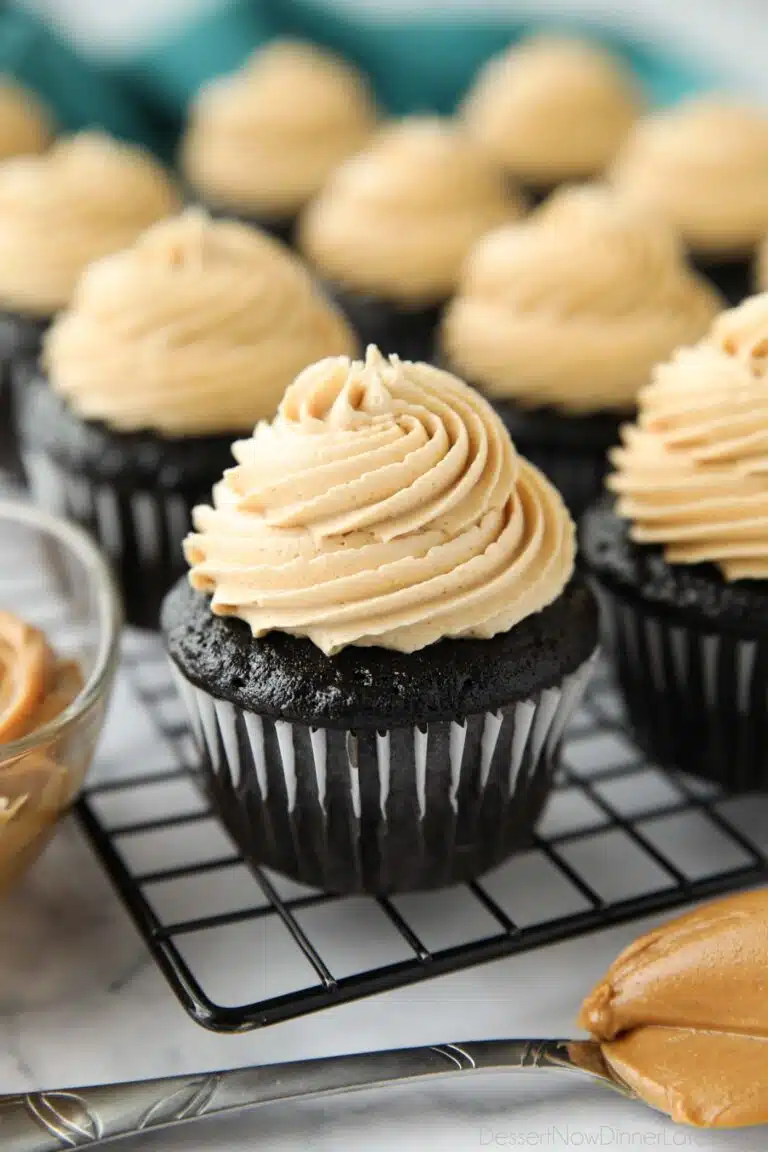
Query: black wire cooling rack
[243, 948]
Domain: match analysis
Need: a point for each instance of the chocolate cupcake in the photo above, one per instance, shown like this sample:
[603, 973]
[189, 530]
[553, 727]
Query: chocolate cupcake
[169, 350]
[380, 648]
[84, 198]
[704, 164]
[682, 558]
[26, 126]
[261, 143]
[552, 110]
[393, 225]
[559, 320]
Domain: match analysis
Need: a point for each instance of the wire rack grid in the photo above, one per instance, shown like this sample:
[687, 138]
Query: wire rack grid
[244, 948]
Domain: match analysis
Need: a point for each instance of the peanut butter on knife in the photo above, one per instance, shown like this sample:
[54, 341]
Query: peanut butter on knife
[682, 1014]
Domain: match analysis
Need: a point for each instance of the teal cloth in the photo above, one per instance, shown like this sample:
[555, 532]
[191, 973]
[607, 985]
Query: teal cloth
[422, 62]
[80, 93]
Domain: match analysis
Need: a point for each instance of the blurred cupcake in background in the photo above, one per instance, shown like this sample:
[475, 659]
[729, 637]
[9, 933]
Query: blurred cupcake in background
[382, 635]
[704, 164]
[682, 558]
[559, 319]
[552, 110]
[761, 267]
[87, 196]
[26, 126]
[169, 350]
[393, 225]
[262, 142]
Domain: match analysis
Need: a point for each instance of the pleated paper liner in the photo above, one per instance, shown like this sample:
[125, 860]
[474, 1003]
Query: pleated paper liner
[381, 811]
[20, 340]
[697, 700]
[140, 530]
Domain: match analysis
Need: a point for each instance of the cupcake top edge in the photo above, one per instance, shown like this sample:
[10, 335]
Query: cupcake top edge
[264, 139]
[196, 329]
[552, 108]
[87, 196]
[26, 126]
[703, 164]
[690, 474]
[396, 220]
[573, 306]
[385, 505]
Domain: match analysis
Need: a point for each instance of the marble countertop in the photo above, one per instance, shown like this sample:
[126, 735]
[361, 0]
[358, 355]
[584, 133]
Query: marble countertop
[83, 1002]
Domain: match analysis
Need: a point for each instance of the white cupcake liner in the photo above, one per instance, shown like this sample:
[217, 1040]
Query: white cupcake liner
[696, 699]
[141, 531]
[382, 810]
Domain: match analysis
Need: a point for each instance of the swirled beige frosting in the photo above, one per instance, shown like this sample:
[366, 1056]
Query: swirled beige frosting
[25, 126]
[398, 219]
[264, 140]
[704, 165]
[574, 305]
[385, 505]
[692, 472]
[197, 329]
[552, 109]
[87, 196]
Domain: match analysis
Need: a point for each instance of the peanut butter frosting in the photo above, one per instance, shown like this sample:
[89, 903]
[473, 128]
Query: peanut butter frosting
[552, 109]
[385, 505]
[691, 472]
[25, 125]
[398, 219]
[87, 196]
[265, 139]
[198, 328]
[682, 1014]
[573, 306]
[704, 165]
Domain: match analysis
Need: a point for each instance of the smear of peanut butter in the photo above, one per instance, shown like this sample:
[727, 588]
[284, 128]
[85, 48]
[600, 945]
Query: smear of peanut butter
[35, 687]
[682, 1014]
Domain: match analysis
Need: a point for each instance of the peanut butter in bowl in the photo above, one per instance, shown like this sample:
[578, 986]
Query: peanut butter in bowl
[37, 781]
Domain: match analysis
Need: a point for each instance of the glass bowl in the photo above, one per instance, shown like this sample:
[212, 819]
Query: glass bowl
[53, 577]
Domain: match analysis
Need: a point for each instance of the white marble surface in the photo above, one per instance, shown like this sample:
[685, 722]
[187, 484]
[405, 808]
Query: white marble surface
[82, 1002]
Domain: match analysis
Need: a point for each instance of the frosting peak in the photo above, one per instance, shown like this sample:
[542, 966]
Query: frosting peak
[25, 125]
[691, 472]
[197, 329]
[402, 514]
[552, 109]
[573, 306]
[265, 139]
[398, 219]
[703, 164]
[87, 196]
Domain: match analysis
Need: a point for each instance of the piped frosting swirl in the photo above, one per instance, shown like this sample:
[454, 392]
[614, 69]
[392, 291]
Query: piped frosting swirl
[573, 306]
[385, 505]
[692, 472]
[552, 109]
[197, 329]
[398, 219]
[25, 125]
[87, 196]
[265, 139]
[704, 165]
